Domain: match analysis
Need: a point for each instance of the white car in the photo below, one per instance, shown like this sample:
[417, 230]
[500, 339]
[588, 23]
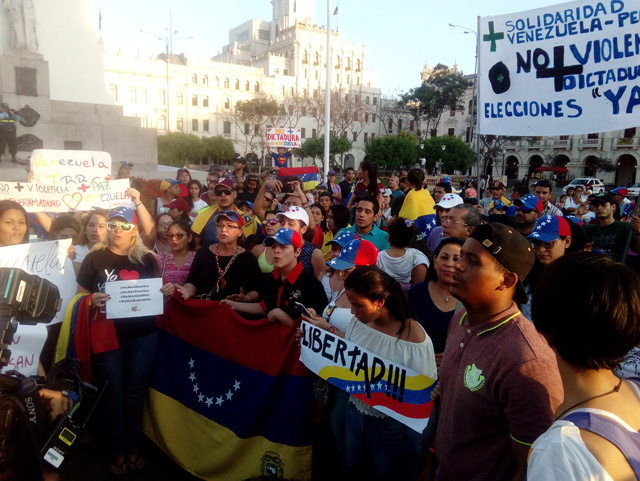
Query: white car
[634, 190]
[597, 187]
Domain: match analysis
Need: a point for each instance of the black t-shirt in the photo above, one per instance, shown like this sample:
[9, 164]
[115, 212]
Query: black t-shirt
[345, 187]
[299, 286]
[244, 272]
[247, 196]
[102, 266]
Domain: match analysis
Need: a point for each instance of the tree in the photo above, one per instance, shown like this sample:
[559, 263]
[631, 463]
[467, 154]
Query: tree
[456, 156]
[218, 148]
[314, 148]
[392, 151]
[492, 145]
[179, 149]
[441, 91]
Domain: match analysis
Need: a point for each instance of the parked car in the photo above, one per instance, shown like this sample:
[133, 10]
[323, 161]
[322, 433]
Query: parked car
[597, 187]
[634, 190]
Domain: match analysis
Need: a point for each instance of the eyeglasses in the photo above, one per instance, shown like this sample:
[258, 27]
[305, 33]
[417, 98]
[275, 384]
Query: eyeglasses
[164, 224]
[536, 244]
[450, 220]
[524, 210]
[271, 221]
[124, 226]
[225, 192]
[228, 227]
[176, 236]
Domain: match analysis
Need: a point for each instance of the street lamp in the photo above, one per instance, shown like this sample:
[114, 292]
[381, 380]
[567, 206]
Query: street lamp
[474, 97]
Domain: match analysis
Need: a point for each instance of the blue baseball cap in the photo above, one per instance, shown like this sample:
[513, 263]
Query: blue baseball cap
[125, 213]
[358, 252]
[232, 215]
[124, 163]
[574, 219]
[530, 201]
[286, 237]
[344, 238]
[497, 204]
[549, 228]
[166, 183]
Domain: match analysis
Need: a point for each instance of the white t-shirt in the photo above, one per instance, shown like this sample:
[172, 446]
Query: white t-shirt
[81, 253]
[400, 267]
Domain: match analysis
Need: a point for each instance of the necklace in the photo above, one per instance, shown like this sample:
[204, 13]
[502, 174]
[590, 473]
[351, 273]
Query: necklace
[222, 284]
[447, 297]
[614, 390]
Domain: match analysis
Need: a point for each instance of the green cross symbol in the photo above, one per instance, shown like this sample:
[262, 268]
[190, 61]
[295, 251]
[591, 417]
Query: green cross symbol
[500, 78]
[492, 37]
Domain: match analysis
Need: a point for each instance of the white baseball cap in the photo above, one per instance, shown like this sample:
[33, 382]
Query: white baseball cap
[294, 212]
[449, 201]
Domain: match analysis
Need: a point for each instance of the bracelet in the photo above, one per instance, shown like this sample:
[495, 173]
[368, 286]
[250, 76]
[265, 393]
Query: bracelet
[332, 329]
[137, 204]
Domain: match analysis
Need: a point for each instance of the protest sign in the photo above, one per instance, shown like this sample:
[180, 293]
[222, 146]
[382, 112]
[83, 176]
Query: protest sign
[393, 389]
[566, 69]
[287, 138]
[47, 260]
[106, 194]
[137, 298]
[69, 167]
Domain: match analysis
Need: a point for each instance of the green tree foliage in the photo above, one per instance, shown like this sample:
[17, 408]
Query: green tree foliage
[442, 91]
[392, 151]
[314, 148]
[218, 148]
[457, 155]
[257, 114]
[179, 149]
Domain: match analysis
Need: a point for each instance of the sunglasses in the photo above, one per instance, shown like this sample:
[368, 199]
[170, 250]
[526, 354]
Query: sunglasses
[536, 244]
[524, 210]
[124, 226]
[271, 221]
[225, 192]
[176, 236]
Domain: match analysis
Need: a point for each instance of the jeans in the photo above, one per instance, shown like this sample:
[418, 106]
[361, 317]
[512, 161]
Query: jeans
[391, 449]
[127, 370]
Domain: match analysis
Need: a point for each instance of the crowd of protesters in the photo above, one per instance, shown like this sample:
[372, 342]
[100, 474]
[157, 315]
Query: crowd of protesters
[526, 311]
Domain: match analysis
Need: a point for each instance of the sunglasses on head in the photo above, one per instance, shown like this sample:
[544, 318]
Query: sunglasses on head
[523, 209]
[224, 191]
[124, 226]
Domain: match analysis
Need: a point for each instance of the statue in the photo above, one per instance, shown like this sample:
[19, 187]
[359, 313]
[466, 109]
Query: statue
[22, 18]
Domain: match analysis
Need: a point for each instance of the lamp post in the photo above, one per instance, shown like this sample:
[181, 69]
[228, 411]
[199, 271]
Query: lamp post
[474, 99]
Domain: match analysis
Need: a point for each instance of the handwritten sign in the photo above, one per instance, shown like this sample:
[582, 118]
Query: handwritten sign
[107, 194]
[287, 138]
[47, 260]
[391, 388]
[138, 298]
[566, 69]
[69, 167]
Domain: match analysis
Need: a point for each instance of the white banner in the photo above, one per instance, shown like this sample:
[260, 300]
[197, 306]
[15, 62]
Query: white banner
[47, 260]
[391, 388]
[287, 138]
[69, 167]
[106, 194]
[135, 298]
[572, 68]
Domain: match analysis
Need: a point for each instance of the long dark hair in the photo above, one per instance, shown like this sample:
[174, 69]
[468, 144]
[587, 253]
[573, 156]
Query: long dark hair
[372, 171]
[82, 237]
[185, 225]
[6, 205]
[188, 197]
[323, 223]
[341, 217]
[374, 284]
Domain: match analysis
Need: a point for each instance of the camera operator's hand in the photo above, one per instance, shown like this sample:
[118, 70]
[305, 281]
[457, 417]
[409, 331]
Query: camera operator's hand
[98, 299]
[55, 402]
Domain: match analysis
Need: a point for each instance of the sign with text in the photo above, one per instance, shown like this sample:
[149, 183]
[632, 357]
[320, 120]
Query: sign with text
[287, 138]
[566, 69]
[106, 194]
[69, 167]
[138, 298]
[391, 388]
[47, 260]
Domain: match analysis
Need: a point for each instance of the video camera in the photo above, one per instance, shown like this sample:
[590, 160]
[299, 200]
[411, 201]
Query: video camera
[25, 425]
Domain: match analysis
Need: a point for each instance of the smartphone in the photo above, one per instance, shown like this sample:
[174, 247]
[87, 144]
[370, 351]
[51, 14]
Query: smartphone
[302, 309]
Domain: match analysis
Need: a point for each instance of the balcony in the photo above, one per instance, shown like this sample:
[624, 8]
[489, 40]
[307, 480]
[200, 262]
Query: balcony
[590, 144]
[537, 144]
[561, 144]
[510, 145]
[625, 143]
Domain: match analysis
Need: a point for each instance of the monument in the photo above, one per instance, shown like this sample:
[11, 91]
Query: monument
[51, 73]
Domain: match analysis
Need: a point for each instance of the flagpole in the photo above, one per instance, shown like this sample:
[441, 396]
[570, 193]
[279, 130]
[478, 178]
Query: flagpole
[327, 97]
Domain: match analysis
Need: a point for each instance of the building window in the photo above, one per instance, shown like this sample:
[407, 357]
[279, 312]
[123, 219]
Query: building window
[113, 89]
[592, 136]
[630, 133]
[132, 94]
[226, 128]
[399, 124]
[194, 79]
[373, 117]
[205, 101]
[411, 125]
[161, 97]
[375, 100]
[227, 103]
[285, 72]
[305, 57]
[366, 137]
[314, 133]
[390, 124]
[355, 136]
[256, 87]
[256, 129]
[205, 125]
[179, 98]
[348, 67]
[452, 112]
[194, 124]
[247, 129]
[284, 89]
[205, 80]
[247, 86]
[290, 90]
[143, 121]
[358, 65]
[276, 70]
[179, 125]
[315, 94]
[303, 133]
[304, 93]
[373, 136]
[226, 83]
[338, 66]
[357, 80]
[348, 79]
[451, 132]
[216, 82]
[264, 35]
[162, 123]
[237, 84]
[366, 100]
[316, 59]
[338, 78]
[194, 100]
[142, 95]
[314, 112]
[366, 117]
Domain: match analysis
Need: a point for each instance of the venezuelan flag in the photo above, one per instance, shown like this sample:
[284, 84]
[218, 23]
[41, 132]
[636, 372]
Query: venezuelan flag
[229, 399]
[309, 175]
[417, 203]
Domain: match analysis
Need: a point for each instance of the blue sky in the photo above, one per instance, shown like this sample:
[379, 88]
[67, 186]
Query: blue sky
[400, 35]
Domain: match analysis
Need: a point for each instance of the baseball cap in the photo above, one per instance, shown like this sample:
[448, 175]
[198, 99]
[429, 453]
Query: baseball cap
[124, 163]
[530, 201]
[286, 237]
[574, 219]
[331, 172]
[239, 158]
[125, 213]
[623, 191]
[549, 228]
[178, 203]
[496, 185]
[450, 200]
[294, 212]
[232, 215]
[386, 193]
[344, 238]
[166, 183]
[248, 203]
[358, 252]
[603, 199]
[497, 204]
[510, 249]
[224, 181]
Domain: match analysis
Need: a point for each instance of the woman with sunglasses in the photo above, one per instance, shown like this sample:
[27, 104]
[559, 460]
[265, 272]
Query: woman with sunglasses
[174, 266]
[127, 346]
[270, 226]
[224, 268]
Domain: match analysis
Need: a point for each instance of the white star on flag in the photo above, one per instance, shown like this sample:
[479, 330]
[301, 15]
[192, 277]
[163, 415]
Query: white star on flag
[348, 389]
[236, 386]
[192, 377]
[229, 395]
[200, 397]
[191, 363]
[195, 388]
[209, 402]
[219, 401]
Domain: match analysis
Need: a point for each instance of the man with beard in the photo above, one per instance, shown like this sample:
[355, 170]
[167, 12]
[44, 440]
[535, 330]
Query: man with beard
[528, 211]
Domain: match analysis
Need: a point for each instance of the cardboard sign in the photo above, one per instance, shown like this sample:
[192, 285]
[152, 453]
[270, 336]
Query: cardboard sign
[391, 388]
[564, 69]
[106, 194]
[287, 138]
[69, 167]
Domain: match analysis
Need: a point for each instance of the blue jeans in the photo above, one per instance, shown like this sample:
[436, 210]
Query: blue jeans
[127, 370]
[390, 448]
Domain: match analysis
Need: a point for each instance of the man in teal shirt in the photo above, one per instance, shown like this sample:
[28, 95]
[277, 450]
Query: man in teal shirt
[367, 213]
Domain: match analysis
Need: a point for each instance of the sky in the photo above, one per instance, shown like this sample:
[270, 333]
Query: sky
[400, 35]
